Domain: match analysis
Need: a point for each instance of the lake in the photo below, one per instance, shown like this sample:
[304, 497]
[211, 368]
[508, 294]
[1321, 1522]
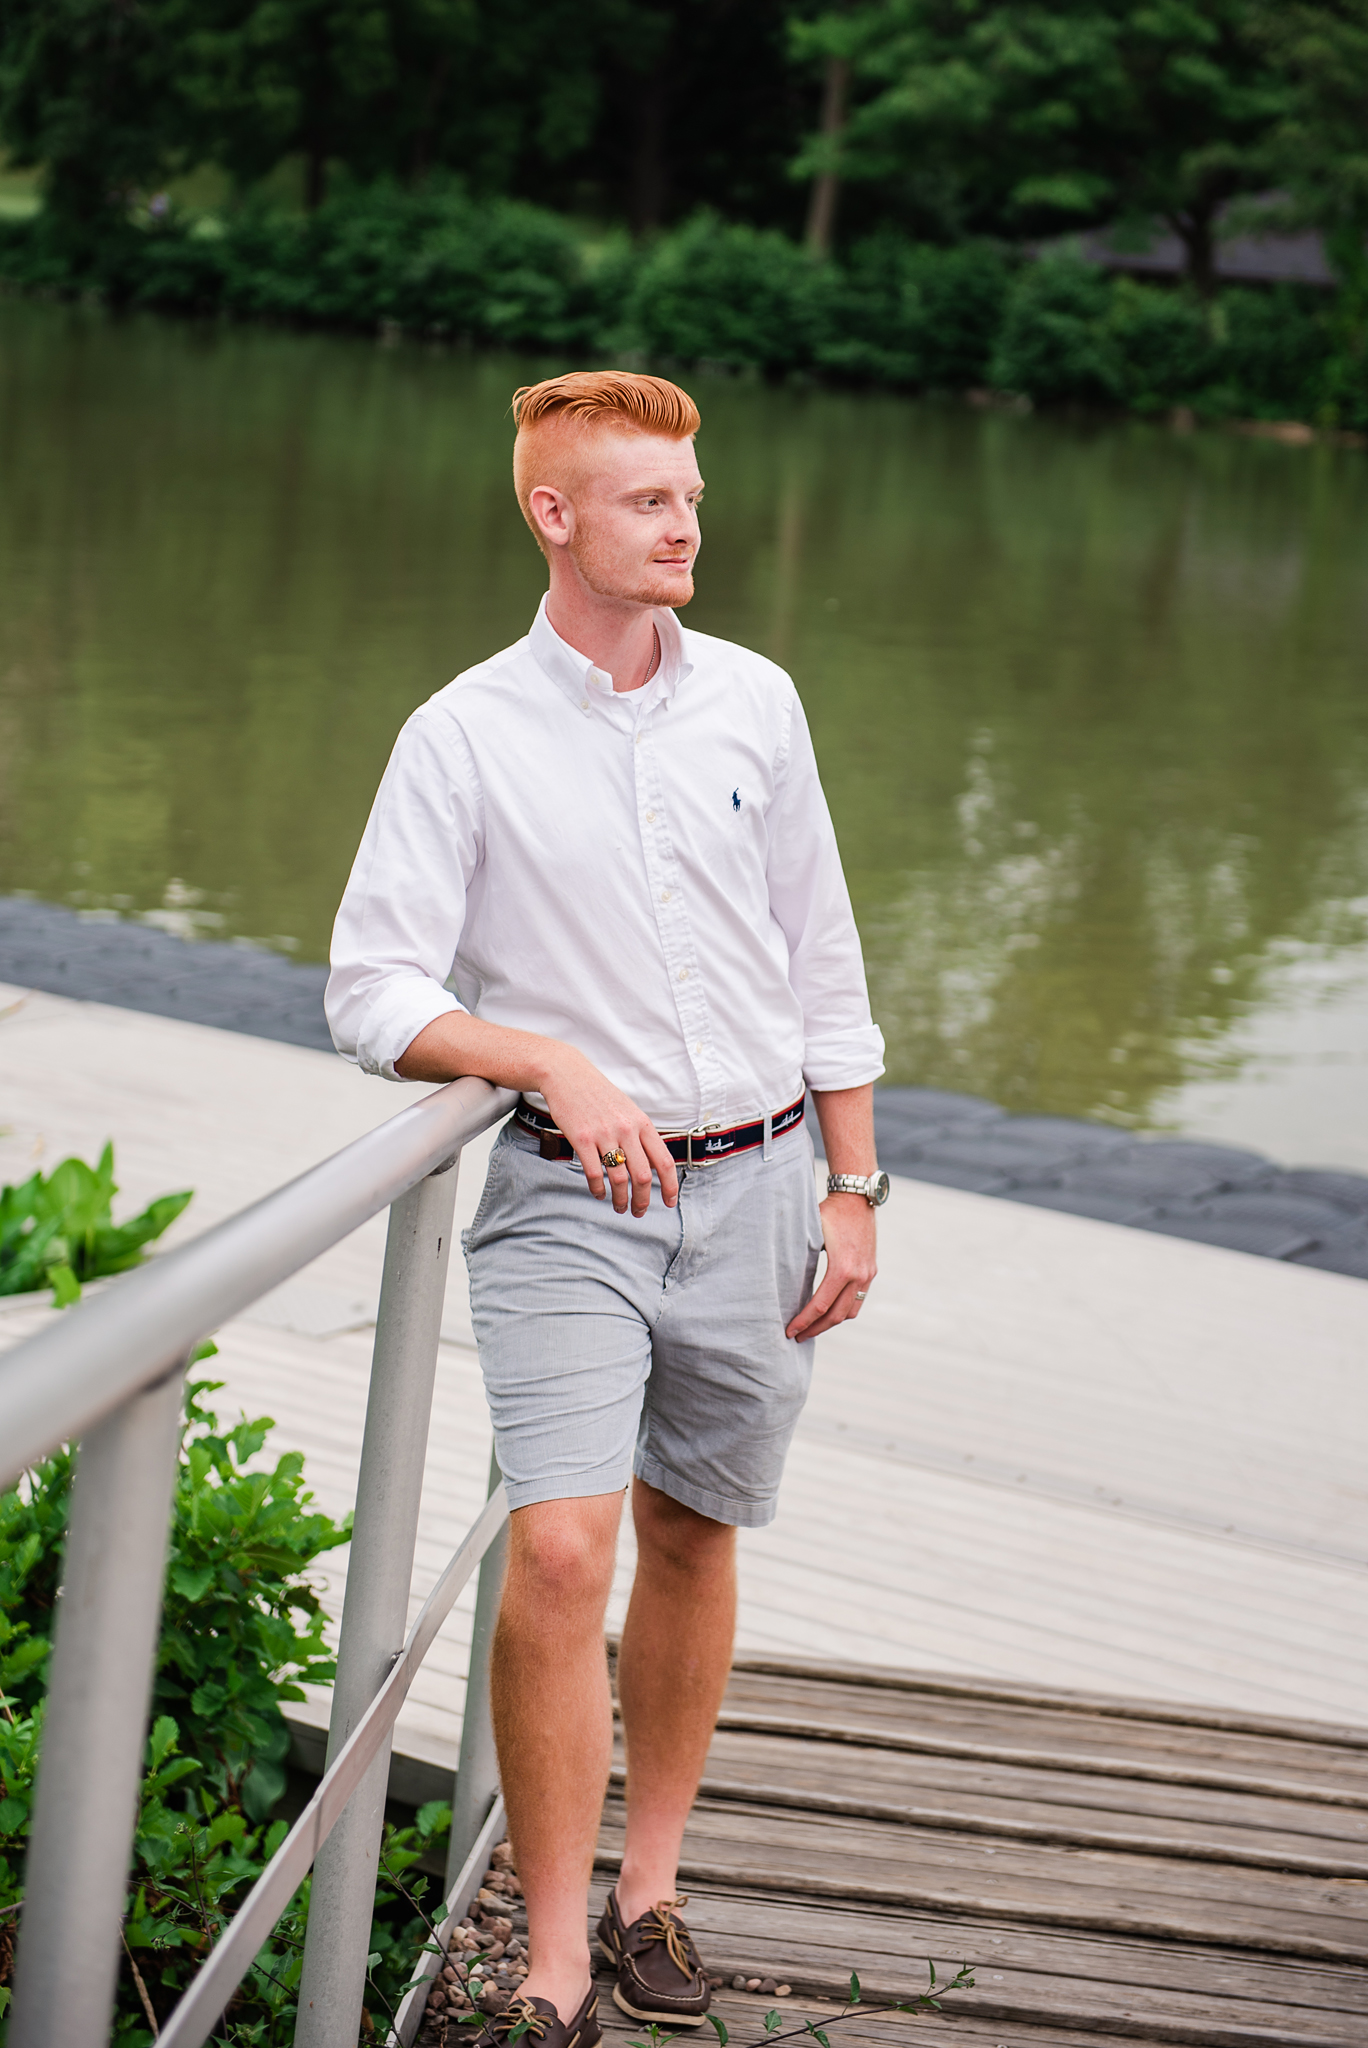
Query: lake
[1088, 696]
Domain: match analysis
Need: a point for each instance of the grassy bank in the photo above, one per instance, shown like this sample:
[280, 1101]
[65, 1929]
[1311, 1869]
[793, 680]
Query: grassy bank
[891, 313]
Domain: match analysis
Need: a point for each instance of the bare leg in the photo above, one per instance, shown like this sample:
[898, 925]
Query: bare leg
[672, 1672]
[553, 1725]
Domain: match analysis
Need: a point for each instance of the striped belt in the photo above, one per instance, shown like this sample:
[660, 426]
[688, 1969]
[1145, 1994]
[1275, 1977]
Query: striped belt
[686, 1148]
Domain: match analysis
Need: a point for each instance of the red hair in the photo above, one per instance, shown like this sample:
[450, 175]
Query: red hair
[552, 417]
[608, 398]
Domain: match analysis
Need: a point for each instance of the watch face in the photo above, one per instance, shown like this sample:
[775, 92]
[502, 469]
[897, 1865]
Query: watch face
[878, 1188]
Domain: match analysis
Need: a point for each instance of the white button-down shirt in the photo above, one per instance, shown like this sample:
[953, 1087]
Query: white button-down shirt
[650, 875]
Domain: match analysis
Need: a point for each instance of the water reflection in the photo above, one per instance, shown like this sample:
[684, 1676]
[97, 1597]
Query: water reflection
[1088, 701]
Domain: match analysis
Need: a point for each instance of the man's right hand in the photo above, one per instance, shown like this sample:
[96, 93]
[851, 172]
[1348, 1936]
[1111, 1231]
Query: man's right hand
[596, 1118]
[594, 1115]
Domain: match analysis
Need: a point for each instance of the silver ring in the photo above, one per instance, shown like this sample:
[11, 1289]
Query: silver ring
[861, 1297]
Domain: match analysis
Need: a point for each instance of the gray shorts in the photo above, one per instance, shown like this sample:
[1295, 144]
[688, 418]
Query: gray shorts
[611, 1344]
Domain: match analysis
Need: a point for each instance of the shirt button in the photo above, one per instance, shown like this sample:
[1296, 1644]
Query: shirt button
[650, 817]
[683, 974]
[585, 705]
[664, 895]
[699, 1046]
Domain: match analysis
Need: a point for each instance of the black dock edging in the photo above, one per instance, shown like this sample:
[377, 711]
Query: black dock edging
[1212, 1194]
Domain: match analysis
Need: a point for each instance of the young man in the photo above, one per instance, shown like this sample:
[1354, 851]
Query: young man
[611, 838]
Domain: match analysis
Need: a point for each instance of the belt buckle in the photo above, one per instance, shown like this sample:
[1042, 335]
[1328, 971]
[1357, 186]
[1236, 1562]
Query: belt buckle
[701, 1131]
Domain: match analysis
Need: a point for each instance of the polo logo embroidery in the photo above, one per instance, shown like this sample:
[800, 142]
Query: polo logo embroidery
[736, 799]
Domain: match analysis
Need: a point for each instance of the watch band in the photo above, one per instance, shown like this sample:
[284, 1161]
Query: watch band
[874, 1186]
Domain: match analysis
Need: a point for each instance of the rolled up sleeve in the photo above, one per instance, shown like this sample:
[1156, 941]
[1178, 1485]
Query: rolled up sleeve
[404, 908]
[843, 1046]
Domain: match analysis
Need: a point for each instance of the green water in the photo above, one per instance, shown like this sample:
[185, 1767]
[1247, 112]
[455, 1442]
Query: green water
[1088, 698]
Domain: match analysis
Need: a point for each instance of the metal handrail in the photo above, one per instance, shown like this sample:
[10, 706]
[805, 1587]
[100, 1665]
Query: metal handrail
[56, 1385]
[110, 1372]
[198, 2010]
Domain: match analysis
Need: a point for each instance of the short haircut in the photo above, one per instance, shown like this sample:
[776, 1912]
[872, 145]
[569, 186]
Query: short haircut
[584, 401]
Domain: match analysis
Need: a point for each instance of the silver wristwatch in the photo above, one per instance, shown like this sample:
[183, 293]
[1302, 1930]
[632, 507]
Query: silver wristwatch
[874, 1188]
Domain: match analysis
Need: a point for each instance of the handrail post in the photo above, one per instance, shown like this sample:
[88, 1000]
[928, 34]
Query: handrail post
[375, 1610]
[87, 1797]
[477, 1772]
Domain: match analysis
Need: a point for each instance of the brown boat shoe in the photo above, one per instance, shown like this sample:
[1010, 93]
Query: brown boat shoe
[659, 1975]
[542, 2025]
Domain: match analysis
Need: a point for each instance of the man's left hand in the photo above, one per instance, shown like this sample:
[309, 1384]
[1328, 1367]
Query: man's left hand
[848, 1231]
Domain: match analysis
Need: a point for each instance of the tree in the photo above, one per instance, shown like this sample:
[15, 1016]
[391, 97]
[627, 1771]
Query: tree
[1320, 146]
[269, 79]
[89, 90]
[1320, 150]
[1019, 118]
[699, 103]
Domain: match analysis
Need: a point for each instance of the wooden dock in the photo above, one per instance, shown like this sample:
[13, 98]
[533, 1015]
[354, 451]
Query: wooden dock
[1113, 1871]
[1083, 1455]
[1093, 1498]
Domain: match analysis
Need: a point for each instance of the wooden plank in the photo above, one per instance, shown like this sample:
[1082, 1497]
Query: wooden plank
[1064, 1699]
[1229, 2013]
[1323, 1789]
[873, 1850]
[1054, 1826]
[1082, 1888]
[744, 2018]
[885, 1713]
[883, 1946]
[895, 1778]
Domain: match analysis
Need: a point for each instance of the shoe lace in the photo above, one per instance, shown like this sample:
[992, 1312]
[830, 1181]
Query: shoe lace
[520, 2011]
[659, 1924]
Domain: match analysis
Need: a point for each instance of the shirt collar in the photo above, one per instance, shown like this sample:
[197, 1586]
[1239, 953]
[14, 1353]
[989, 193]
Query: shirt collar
[581, 680]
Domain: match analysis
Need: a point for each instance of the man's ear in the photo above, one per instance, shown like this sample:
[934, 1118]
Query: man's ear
[552, 514]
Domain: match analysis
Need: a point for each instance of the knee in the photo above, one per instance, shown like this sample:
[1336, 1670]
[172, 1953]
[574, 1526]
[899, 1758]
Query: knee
[562, 1554]
[677, 1538]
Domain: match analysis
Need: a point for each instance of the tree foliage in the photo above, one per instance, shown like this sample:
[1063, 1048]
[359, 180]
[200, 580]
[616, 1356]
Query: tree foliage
[632, 109]
[89, 90]
[1028, 116]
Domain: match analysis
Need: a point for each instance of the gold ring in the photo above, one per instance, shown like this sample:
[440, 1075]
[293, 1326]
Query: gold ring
[613, 1158]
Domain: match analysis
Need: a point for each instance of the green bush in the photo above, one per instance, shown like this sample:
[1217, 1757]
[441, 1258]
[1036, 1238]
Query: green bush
[57, 1232]
[717, 293]
[892, 313]
[1163, 345]
[1275, 351]
[241, 1631]
[503, 273]
[923, 318]
[1054, 344]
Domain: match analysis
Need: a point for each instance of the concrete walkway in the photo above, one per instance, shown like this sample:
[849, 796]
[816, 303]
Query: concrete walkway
[1054, 1450]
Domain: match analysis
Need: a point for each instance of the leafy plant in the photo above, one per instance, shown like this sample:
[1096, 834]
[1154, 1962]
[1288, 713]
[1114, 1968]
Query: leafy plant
[727, 294]
[242, 1628]
[855, 2008]
[919, 316]
[1054, 342]
[60, 1231]
[894, 312]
